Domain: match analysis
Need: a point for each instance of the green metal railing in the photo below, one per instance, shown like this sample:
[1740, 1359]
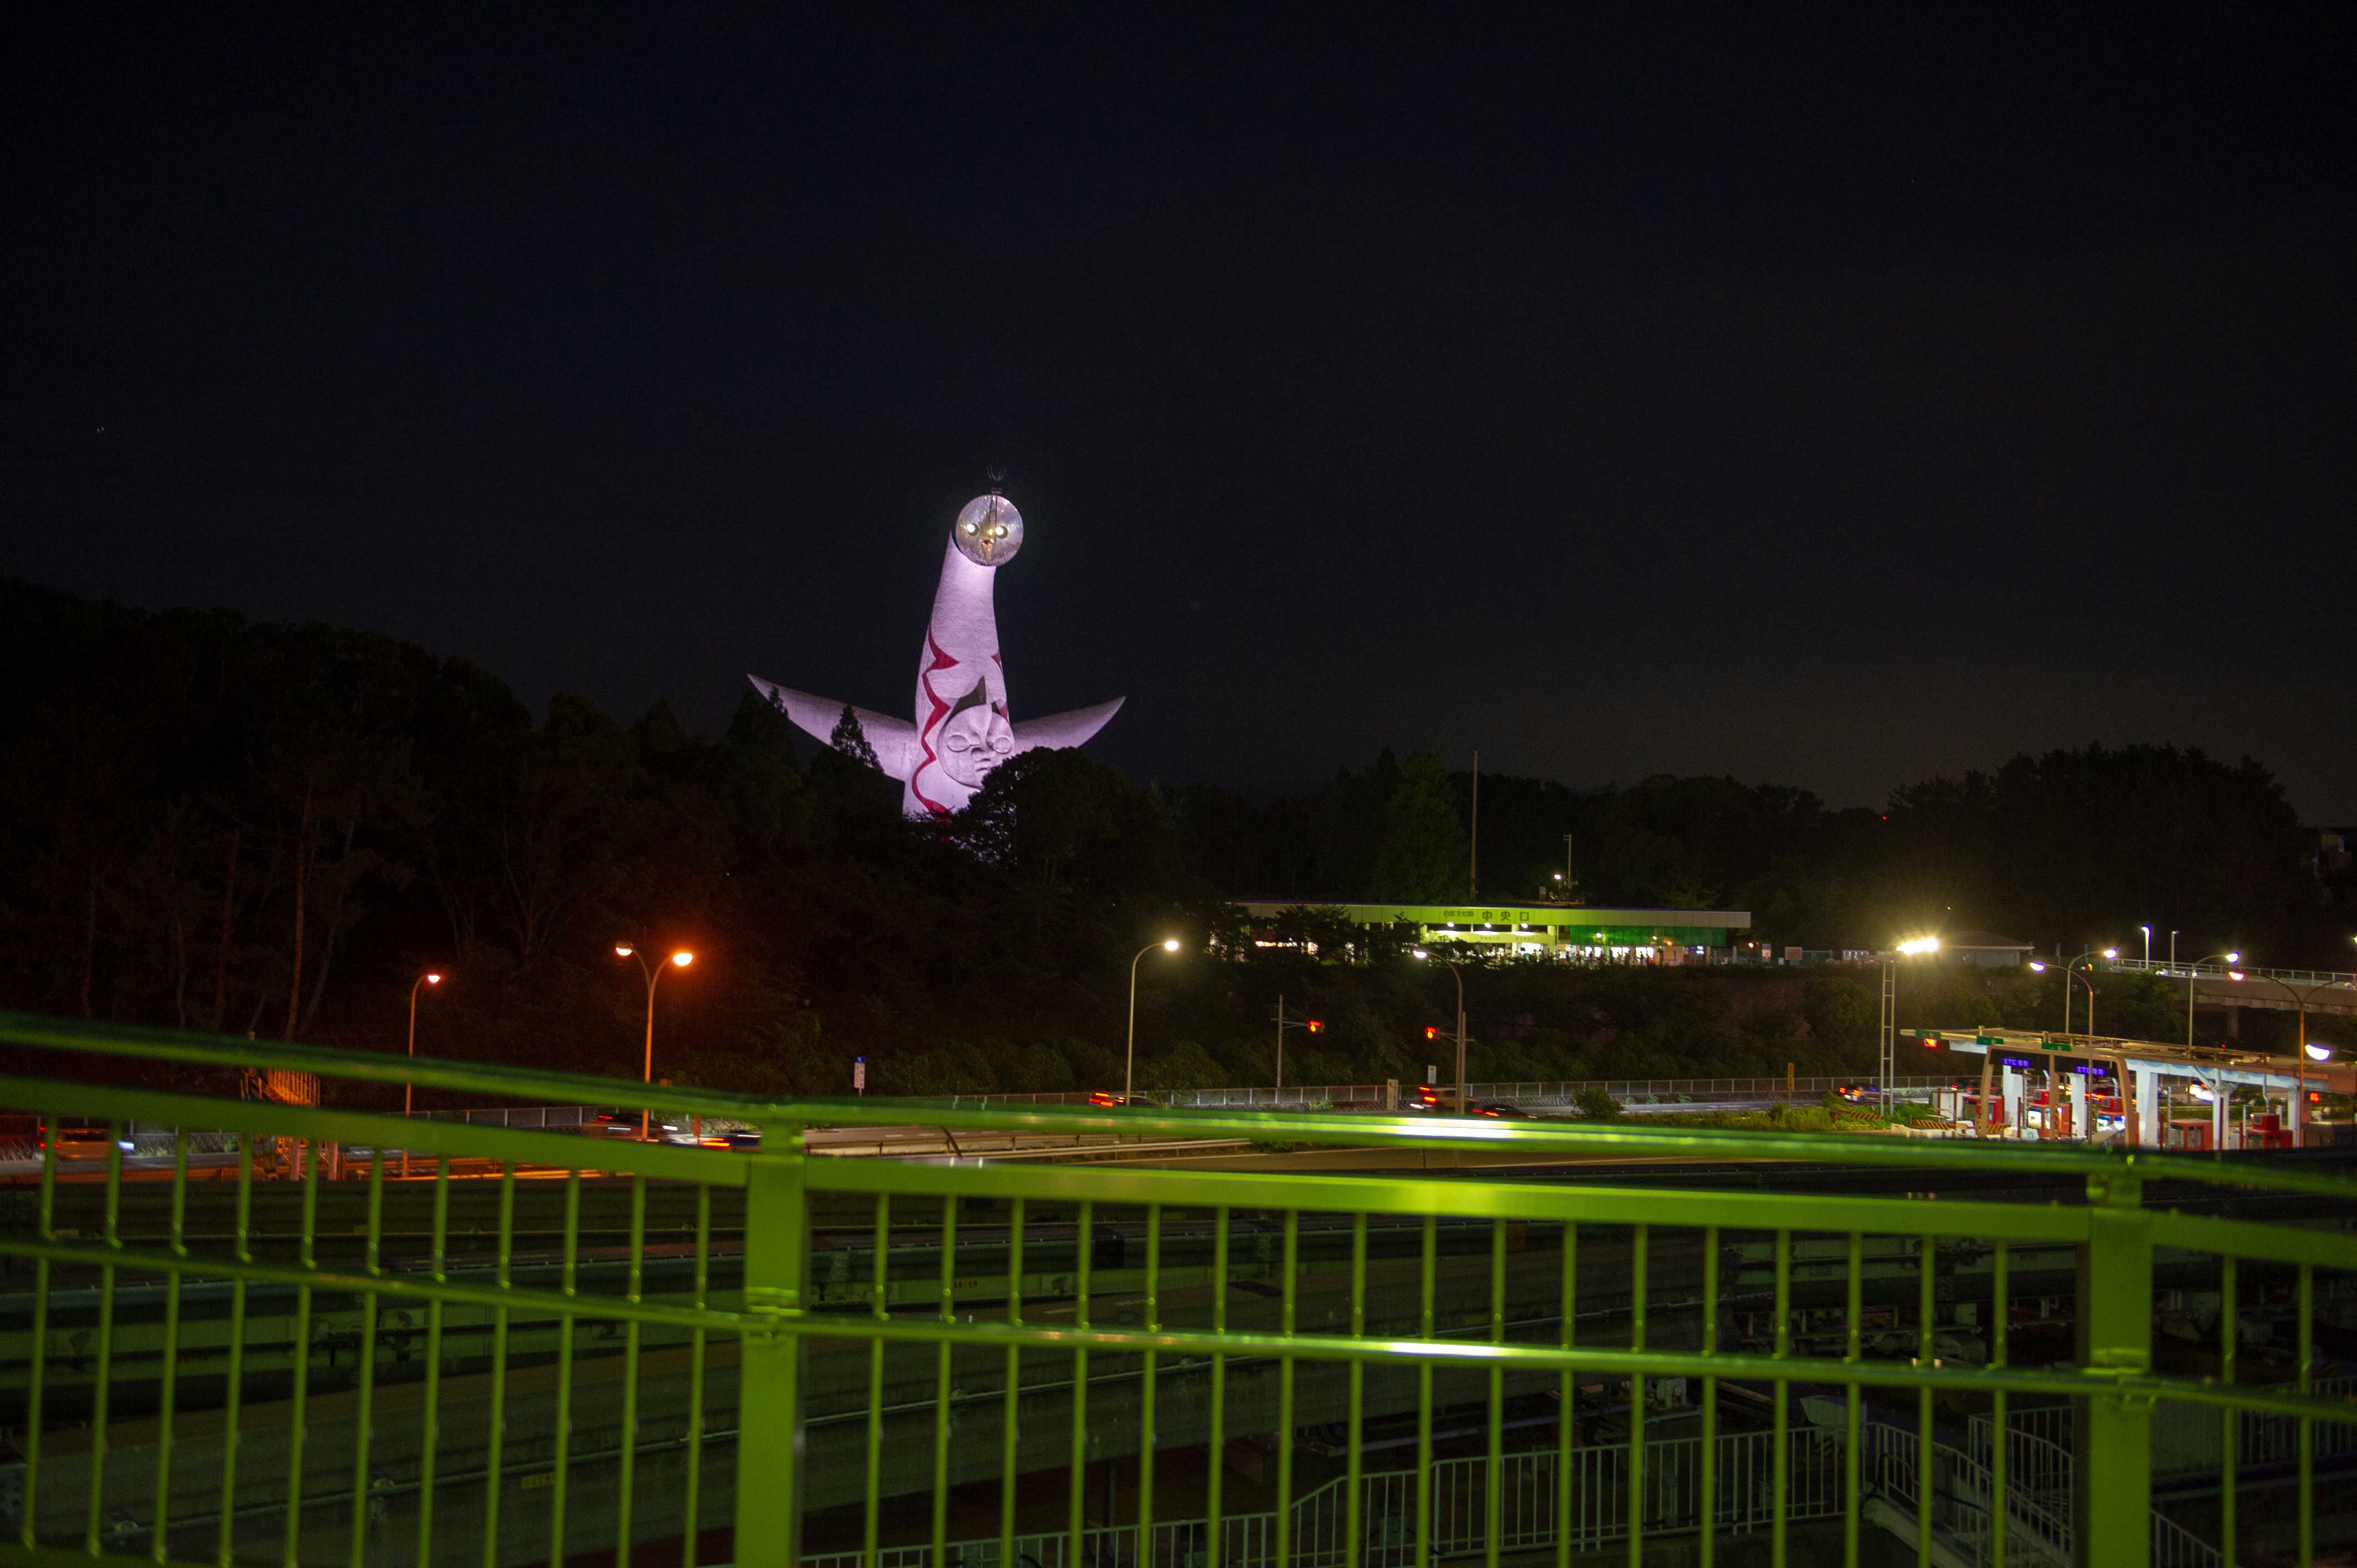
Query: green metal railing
[544, 1347]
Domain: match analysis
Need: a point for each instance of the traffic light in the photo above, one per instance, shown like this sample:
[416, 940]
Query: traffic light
[1314, 1026]
[1431, 1032]
[2316, 1097]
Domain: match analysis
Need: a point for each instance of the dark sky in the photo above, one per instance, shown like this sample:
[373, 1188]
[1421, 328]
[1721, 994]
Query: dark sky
[1827, 397]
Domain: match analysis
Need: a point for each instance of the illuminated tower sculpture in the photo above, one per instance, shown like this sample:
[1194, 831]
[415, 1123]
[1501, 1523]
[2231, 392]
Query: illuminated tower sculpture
[962, 726]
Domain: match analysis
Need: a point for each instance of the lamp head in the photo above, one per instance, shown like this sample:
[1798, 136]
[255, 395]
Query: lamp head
[1419, 952]
[1171, 945]
[623, 949]
[1917, 946]
[433, 979]
[2233, 957]
[2111, 952]
[2204, 1094]
[682, 957]
[2316, 1053]
[2036, 967]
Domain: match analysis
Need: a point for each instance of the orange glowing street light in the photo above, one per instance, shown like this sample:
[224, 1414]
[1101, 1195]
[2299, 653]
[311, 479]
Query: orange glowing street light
[653, 972]
[431, 977]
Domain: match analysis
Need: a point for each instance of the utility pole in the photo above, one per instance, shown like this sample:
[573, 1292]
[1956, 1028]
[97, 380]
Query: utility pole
[1473, 862]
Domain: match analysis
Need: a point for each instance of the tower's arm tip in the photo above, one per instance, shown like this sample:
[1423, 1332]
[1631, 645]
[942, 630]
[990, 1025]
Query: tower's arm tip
[893, 740]
[1059, 730]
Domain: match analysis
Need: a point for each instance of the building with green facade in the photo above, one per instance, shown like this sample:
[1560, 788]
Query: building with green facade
[1572, 931]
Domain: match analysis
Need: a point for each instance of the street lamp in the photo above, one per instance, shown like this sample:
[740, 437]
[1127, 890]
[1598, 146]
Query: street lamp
[1460, 1025]
[2068, 975]
[1129, 1054]
[1887, 1044]
[680, 959]
[2147, 945]
[2192, 978]
[409, 1089]
[2310, 1053]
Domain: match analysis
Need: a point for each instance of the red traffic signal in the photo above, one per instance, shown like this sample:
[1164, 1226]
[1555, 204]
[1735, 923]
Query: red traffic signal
[2315, 1097]
[1314, 1026]
[1431, 1032]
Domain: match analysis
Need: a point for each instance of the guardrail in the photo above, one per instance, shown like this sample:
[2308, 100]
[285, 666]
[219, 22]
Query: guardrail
[501, 1369]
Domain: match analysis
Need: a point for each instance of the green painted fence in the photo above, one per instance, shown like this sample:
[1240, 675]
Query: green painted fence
[540, 1346]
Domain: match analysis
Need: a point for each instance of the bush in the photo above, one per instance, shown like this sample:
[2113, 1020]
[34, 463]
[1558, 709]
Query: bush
[1597, 1106]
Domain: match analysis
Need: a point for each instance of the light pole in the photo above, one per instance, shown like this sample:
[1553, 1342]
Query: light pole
[2306, 1053]
[2068, 975]
[2192, 978]
[409, 1089]
[1460, 1025]
[1886, 1071]
[2147, 945]
[1129, 1053]
[682, 957]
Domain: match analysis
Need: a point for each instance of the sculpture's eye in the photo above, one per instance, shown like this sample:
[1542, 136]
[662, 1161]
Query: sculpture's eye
[999, 533]
[969, 528]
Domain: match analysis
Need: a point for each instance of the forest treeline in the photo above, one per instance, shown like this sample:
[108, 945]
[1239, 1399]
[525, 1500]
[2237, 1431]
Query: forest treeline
[216, 825]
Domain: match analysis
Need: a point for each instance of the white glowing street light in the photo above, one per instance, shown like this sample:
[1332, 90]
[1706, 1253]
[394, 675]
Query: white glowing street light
[1129, 1052]
[654, 972]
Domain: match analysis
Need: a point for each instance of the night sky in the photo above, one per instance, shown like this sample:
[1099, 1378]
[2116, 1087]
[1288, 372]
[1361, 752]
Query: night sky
[1816, 397]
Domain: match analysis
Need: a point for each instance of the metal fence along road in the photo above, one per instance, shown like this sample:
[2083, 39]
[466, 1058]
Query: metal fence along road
[543, 1349]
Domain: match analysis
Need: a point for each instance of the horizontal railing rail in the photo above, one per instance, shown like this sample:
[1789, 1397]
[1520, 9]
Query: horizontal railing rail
[540, 1346]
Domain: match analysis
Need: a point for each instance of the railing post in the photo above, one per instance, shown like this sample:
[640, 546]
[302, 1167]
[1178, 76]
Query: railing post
[769, 1406]
[2111, 1495]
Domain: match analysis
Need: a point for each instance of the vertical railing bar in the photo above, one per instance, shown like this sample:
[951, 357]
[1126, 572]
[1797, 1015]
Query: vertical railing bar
[37, 1373]
[879, 1306]
[1853, 1352]
[563, 1462]
[691, 1528]
[1564, 1394]
[1147, 1390]
[1493, 1497]
[2229, 1420]
[942, 1376]
[430, 1412]
[242, 1249]
[2001, 1309]
[160, 1530]
[1354, 1522]
[1640, 1249]
[102, 1376]
[2307, 1423]
[1779, 1455]
[1007, 1432]
[308, 1159]
[1076, 1524]
[626, 1480]
[495, 1441]
[1707, 1457]
[1927, 1267]
[1423, 1395]
[364, 1412]
[1213, 1498]
[1292, 1269]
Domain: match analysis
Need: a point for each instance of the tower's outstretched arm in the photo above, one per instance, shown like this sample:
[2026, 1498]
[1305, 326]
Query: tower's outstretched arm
[894, 740]
[1059, 730]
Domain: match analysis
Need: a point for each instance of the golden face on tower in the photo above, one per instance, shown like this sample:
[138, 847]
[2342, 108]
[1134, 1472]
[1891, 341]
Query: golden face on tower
[989, 531]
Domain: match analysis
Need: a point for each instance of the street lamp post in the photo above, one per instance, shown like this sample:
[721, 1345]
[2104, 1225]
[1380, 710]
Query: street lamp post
[1887, 1070]
[1129, 1053]
[2192, 978]
[2069, 973]
[681, 959]
[1460, 1025]
[2306, 1053]
[2147, 945]
[409, 1089]
[1282, 1022]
